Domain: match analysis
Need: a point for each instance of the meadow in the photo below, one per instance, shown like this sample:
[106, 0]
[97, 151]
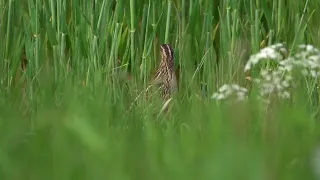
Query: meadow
[72, 73]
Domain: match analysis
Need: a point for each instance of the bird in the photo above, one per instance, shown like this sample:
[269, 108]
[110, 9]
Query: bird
[165, 77]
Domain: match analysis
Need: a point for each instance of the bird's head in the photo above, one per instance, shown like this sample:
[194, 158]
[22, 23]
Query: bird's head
[167, 56]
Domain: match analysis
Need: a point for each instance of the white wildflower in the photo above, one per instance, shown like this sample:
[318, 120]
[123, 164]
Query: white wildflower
[307, 48]
[278, 81]
[228, 90]
[308, 60]
[287, 64]
[275, 81]
[273, 52]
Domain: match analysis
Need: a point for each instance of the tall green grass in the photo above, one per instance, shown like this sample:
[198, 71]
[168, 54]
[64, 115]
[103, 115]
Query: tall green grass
[66, 116]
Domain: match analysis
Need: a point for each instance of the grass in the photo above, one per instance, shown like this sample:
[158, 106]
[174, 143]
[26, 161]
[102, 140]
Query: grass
[66, 117]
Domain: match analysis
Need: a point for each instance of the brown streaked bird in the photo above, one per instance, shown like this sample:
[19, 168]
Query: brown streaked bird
[165, 77]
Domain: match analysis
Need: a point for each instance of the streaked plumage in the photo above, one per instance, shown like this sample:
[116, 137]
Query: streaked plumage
[165, 77]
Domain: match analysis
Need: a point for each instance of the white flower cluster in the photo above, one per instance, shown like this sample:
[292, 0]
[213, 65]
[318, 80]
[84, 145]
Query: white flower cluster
[277, 81]
[274, 52]
[274, 82]
[229, 90]
[307, 60]
[309, 57]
